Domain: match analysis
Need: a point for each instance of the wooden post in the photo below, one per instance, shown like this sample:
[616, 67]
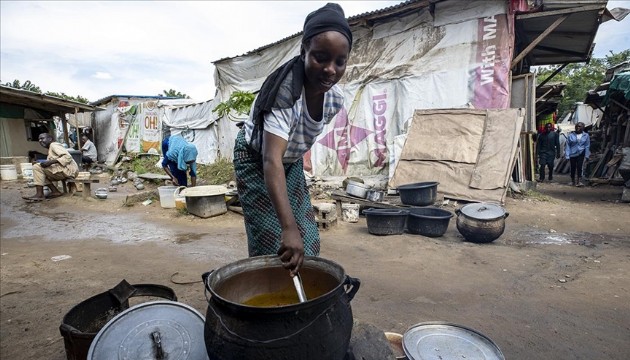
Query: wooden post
[64, 125]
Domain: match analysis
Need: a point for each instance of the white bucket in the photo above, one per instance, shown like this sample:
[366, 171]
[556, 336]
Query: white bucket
[27, 170]
[8, 172]
[350, 212]
[167, 196]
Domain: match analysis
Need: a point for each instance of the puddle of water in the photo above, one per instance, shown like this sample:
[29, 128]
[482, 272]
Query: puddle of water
[537, 237]
[186, 238]
[117, 228]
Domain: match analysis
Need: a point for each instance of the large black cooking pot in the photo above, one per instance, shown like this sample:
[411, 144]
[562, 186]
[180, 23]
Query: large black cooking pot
[318, 329]
[481, 222]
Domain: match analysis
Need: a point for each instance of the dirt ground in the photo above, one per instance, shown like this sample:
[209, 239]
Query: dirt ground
[556, 285]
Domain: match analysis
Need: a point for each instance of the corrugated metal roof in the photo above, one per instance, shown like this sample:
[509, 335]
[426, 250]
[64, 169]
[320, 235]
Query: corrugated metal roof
[371, 16]
[39, 101]
[107, 99]
[570, 42]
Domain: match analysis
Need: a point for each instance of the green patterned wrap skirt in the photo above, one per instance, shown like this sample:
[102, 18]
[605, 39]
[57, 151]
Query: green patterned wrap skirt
[261, 222]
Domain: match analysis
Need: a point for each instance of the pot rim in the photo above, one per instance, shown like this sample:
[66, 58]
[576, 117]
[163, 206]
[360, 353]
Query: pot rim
[419, 185]
[222, 274]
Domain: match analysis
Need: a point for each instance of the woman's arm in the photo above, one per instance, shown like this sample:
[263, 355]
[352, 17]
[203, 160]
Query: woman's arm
[292, 246]
[587, 146]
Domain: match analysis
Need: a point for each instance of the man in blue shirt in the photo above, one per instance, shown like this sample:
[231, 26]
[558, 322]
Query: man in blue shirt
[576, 149]
[179, 155]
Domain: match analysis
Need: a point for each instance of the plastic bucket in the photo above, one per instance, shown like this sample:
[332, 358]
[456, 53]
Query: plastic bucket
[350, 212]
[27, 170]
[167, 196]
[8, 172]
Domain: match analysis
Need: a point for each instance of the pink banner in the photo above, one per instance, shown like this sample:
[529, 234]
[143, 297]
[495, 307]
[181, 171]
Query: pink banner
[490, 81]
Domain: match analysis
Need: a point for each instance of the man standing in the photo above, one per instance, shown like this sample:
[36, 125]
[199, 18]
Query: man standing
[576, 149]
[548, 149]
[59, 165]
[88, 151]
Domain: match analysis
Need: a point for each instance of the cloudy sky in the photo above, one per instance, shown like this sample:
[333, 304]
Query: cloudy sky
[96, 49]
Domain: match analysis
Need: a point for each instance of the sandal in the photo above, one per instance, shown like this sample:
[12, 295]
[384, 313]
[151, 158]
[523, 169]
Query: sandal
[52, 196]
[33, 199]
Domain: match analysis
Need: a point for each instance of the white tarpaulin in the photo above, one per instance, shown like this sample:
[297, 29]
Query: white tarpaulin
[141, 127]
[397, 66]
[469, 152]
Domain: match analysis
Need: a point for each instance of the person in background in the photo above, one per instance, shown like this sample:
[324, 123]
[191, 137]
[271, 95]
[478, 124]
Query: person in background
[179, 156]
[294, 104]
[548, 149]
[59, 165]
[88, 151]
[576, 149]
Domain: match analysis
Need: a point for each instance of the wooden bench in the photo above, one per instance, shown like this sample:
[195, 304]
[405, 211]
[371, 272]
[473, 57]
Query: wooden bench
[87, 185]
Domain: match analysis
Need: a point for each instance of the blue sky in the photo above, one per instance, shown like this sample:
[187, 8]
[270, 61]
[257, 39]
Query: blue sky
[95, 49]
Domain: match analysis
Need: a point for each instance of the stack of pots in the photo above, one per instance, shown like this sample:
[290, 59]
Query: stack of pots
[423, 219]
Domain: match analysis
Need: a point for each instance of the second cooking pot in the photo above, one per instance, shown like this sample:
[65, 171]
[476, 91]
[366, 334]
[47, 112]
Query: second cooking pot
[481, 222]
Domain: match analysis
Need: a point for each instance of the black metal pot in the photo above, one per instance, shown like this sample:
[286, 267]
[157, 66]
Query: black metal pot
[482, 222]
[81, 324]
[319, 328]
[418, 194]
[428, 221]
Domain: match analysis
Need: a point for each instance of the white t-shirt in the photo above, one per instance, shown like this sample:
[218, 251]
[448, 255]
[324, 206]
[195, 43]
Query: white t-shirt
[296, 126]
[90, 150]
[579, 136]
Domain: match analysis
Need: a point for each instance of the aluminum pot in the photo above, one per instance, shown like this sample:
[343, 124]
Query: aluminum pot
[481, 222]
[375, 195]
[357, 189]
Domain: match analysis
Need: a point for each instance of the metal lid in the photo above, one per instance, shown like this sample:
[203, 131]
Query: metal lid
[440, 340]
[149, 330]
[206, 190]
[483, 211]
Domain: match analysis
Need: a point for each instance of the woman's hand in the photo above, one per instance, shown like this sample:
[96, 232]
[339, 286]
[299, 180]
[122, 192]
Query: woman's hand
[291, 250]
[174, 180]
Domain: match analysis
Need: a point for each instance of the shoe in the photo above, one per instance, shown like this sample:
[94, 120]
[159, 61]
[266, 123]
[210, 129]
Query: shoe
[541, 180]
[579, 184]
[550, 179]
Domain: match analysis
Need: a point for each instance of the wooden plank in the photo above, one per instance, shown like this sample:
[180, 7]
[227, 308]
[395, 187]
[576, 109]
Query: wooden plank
[536, 41]
[343, 197]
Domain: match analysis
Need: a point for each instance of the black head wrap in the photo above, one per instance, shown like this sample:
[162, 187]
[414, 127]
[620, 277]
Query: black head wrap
[330, 17]
[283, 87]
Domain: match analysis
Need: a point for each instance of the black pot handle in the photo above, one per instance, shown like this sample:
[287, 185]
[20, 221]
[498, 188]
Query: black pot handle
[506, 215]
[352, 286]
[458, 211]
[206, 287]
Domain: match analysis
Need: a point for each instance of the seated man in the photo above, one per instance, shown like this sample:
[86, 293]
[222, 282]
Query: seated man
[59, 165]
[88, 151]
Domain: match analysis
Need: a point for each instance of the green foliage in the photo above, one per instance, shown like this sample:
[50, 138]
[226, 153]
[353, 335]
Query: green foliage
[580, 78]
[218, 173]
[78, 98]
[28, 85]
[174, 93]
[239, 102]
[144, 164]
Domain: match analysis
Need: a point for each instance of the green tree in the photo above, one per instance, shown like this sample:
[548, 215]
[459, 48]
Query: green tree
[28, 85]
[580, 78]
[239, 102]
[174, 93]
[77, 98]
